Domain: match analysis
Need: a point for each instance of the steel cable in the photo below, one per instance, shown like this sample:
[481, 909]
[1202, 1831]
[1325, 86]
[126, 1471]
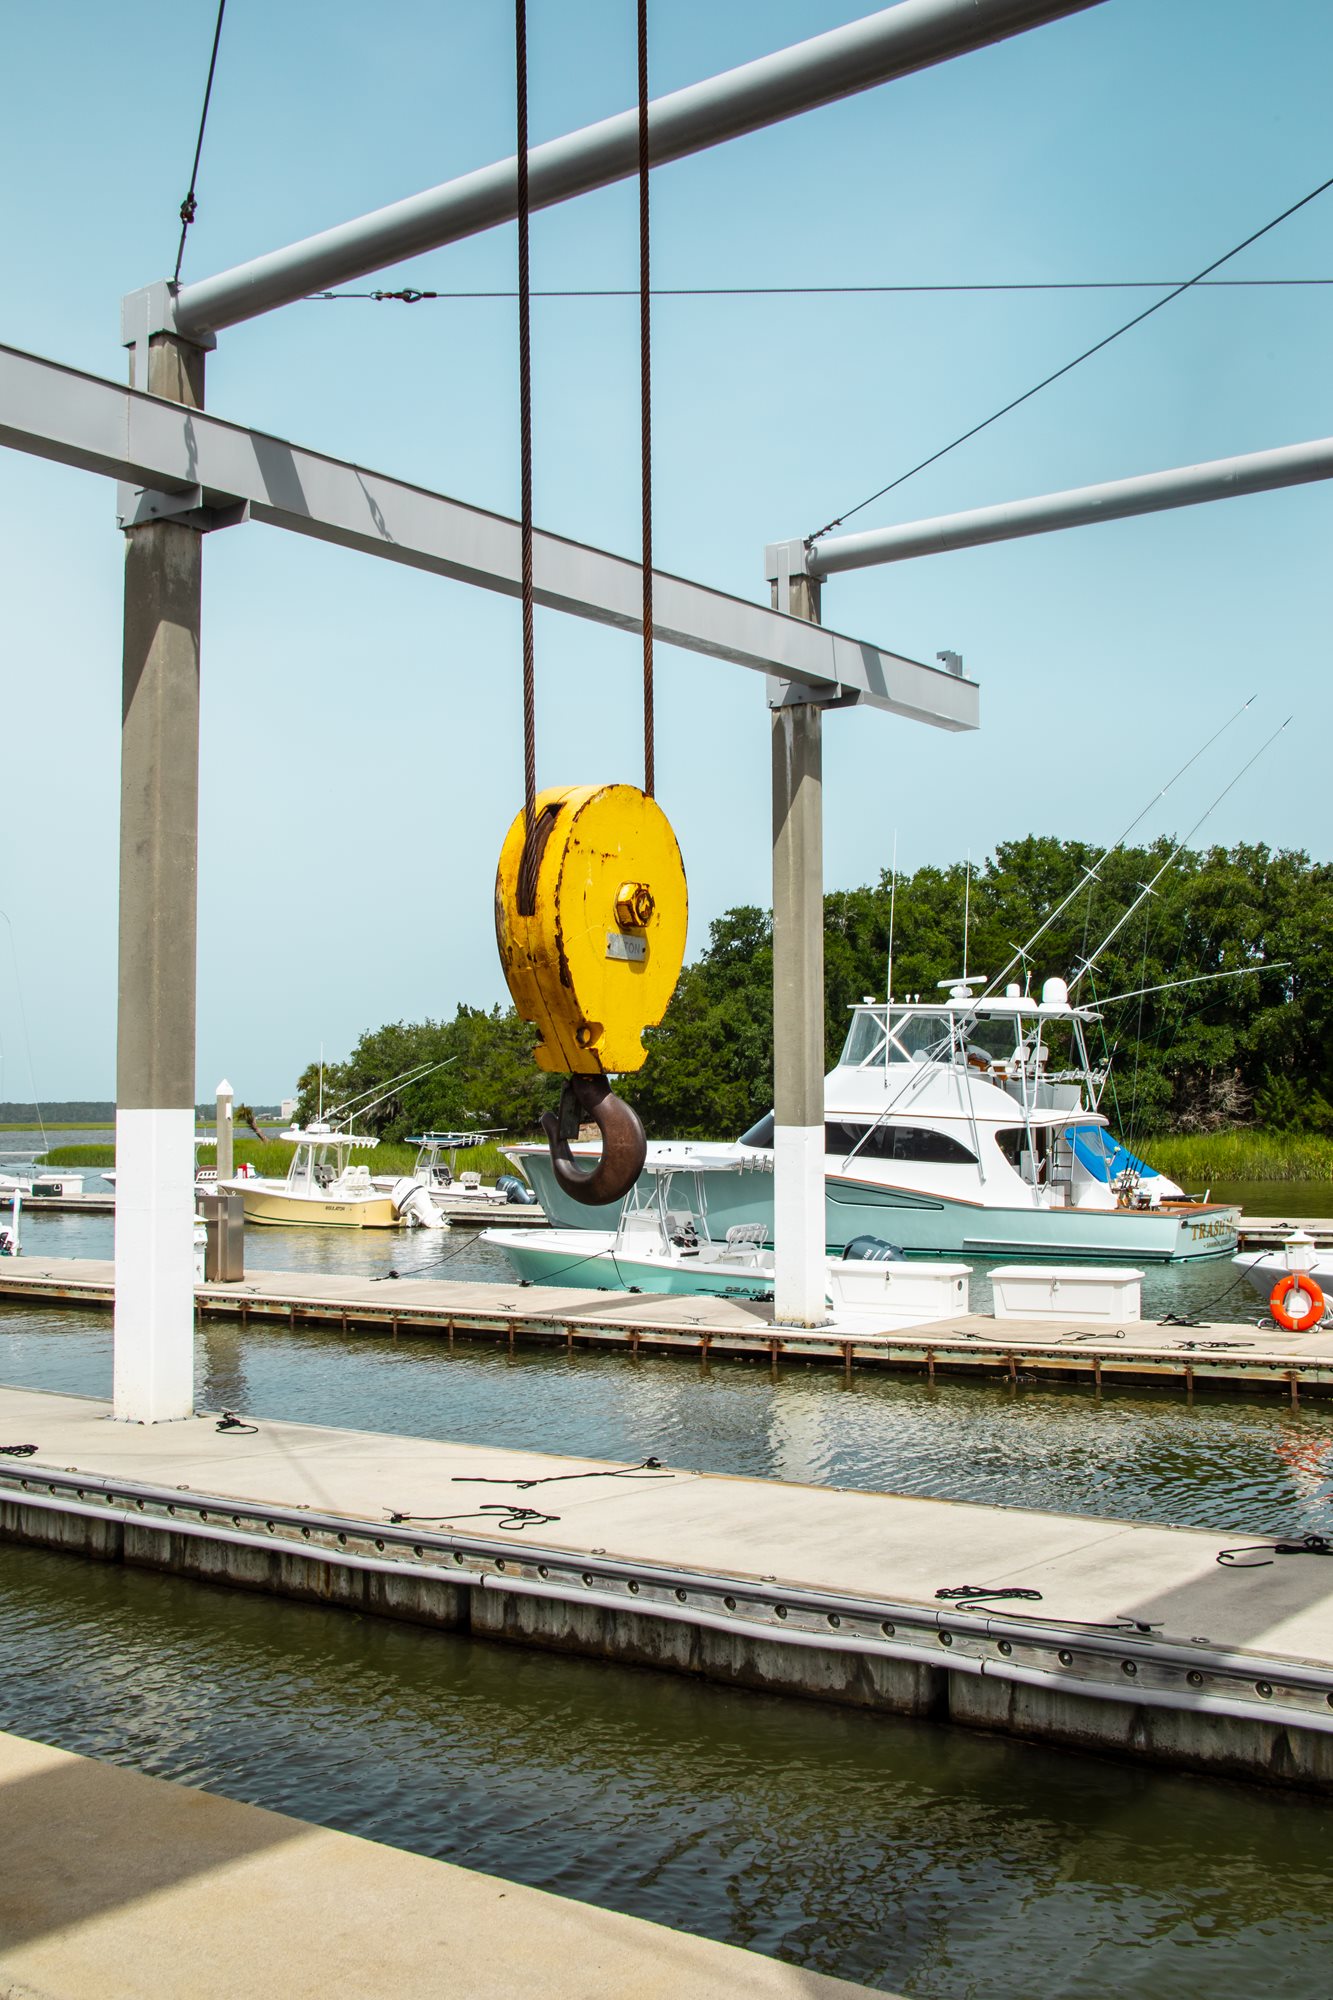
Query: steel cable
[1086, 355]
[646, 405]
[526, 885]
[189, 207]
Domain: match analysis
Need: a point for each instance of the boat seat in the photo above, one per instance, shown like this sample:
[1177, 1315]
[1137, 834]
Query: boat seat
[745, 1242]
[357, 1177]
[471, 1179]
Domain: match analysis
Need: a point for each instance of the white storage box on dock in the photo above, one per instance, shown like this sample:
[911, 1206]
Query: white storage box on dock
[936, 1291]
[1064, 1291]
[58, 1186]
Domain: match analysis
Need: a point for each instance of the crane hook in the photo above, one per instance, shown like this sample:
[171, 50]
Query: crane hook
[624, 1147]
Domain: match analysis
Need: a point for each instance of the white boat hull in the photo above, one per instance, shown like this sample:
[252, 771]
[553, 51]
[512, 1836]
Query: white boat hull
[274, 1206]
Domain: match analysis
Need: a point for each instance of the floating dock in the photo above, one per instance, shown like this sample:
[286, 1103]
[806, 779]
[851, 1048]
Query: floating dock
[1094, 1633]
[211, 1896]
[1218, 1355]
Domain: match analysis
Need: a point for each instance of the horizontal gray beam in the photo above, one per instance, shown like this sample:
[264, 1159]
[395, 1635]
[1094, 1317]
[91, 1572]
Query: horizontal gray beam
[1152, 493]
[98, 426]
[911, 36]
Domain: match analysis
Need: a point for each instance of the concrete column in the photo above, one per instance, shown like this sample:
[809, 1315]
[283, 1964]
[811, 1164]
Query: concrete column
[159, 801]
[226, 1098]
[798, 1016]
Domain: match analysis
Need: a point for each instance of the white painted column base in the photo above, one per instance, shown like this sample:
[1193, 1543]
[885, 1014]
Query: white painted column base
[154, 1329]
[799, 1270]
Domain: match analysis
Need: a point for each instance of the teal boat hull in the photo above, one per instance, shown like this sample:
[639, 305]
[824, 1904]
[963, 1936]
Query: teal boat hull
[931, 1225]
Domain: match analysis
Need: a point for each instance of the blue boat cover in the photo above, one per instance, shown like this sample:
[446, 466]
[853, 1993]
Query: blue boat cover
[1103, 1155]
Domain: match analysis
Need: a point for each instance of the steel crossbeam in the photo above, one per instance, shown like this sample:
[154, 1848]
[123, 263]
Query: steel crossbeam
[181, 462]
[914, 35]
[1047, 513]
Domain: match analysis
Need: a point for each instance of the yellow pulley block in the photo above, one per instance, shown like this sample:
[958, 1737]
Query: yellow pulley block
[591, 928]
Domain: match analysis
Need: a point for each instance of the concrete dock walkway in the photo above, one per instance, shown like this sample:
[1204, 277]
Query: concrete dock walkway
[1087, 1631]
[1235, 1355]
[117, 1886]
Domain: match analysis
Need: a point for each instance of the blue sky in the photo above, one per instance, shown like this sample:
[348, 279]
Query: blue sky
[361, 753]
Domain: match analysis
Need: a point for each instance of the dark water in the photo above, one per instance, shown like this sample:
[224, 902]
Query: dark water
[935, 1863]
[923, 1860]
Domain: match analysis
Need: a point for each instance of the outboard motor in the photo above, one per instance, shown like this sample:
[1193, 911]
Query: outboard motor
[513, 1189]
[872, 1250]
[411, 1201]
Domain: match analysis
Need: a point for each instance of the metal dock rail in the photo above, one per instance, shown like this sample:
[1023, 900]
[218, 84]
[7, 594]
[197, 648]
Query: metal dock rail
[1081, 1630]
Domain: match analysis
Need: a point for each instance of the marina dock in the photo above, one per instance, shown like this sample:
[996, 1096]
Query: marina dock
[1192, 1356]
[1084, 1631]
[465, 1214]
[270, 1904]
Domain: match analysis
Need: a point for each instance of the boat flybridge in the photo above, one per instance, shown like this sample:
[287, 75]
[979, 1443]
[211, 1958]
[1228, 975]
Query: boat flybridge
[966, 1124]
[323, 1186]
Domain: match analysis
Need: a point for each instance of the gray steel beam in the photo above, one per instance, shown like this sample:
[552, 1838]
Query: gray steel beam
[188, 460]
[1152, 493]
[912, 36]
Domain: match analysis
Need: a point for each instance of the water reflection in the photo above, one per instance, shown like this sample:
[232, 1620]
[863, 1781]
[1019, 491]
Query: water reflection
[1247, 1463]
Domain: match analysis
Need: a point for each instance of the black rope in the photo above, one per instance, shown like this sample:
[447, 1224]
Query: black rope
[18, 1450]
[968, 1593]
[1198, 1315]
[501, 1514]
[1086, 355]
[229, 1421]
[651, 1468]
[189, 206]
[1308, 1545]
[646, 406]
[526, 885]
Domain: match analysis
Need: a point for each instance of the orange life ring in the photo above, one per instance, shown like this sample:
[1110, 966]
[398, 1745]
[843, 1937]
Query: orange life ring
[1296, 1281]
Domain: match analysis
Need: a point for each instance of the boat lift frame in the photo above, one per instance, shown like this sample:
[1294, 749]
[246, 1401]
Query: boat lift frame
[183, 474]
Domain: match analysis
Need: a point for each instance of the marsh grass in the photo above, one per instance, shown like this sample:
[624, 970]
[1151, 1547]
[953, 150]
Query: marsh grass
[274, 1157]
[1209, 1158]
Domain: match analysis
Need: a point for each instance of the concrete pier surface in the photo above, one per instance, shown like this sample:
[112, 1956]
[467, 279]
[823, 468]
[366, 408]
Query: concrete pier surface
[1093, 1632]
[117, 1886]
[1197, 1355]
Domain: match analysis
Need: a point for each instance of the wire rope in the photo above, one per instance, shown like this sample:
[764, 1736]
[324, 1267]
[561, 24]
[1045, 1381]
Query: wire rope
[1086, 355]
[411, 295]
[190, 206]
[526, 884]
[646, 402]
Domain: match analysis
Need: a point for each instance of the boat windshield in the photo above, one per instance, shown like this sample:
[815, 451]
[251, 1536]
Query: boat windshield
[915, 1037]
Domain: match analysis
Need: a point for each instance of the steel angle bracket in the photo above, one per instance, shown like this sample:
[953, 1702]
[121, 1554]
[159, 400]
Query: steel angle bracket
[136, 506]
[810, 694]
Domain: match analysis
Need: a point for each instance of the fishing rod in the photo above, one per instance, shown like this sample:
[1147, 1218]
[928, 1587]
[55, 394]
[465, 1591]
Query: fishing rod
[1087, 964]
[1090, 875]
[405, 1081]
[1198, 979]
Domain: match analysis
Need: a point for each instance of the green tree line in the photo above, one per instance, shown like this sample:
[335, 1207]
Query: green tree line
[1256, 1049]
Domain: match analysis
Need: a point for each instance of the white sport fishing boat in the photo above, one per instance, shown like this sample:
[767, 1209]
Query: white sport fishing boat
[323, 1187]
[436, 1170]
[958, 1126]
[664, 1242]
